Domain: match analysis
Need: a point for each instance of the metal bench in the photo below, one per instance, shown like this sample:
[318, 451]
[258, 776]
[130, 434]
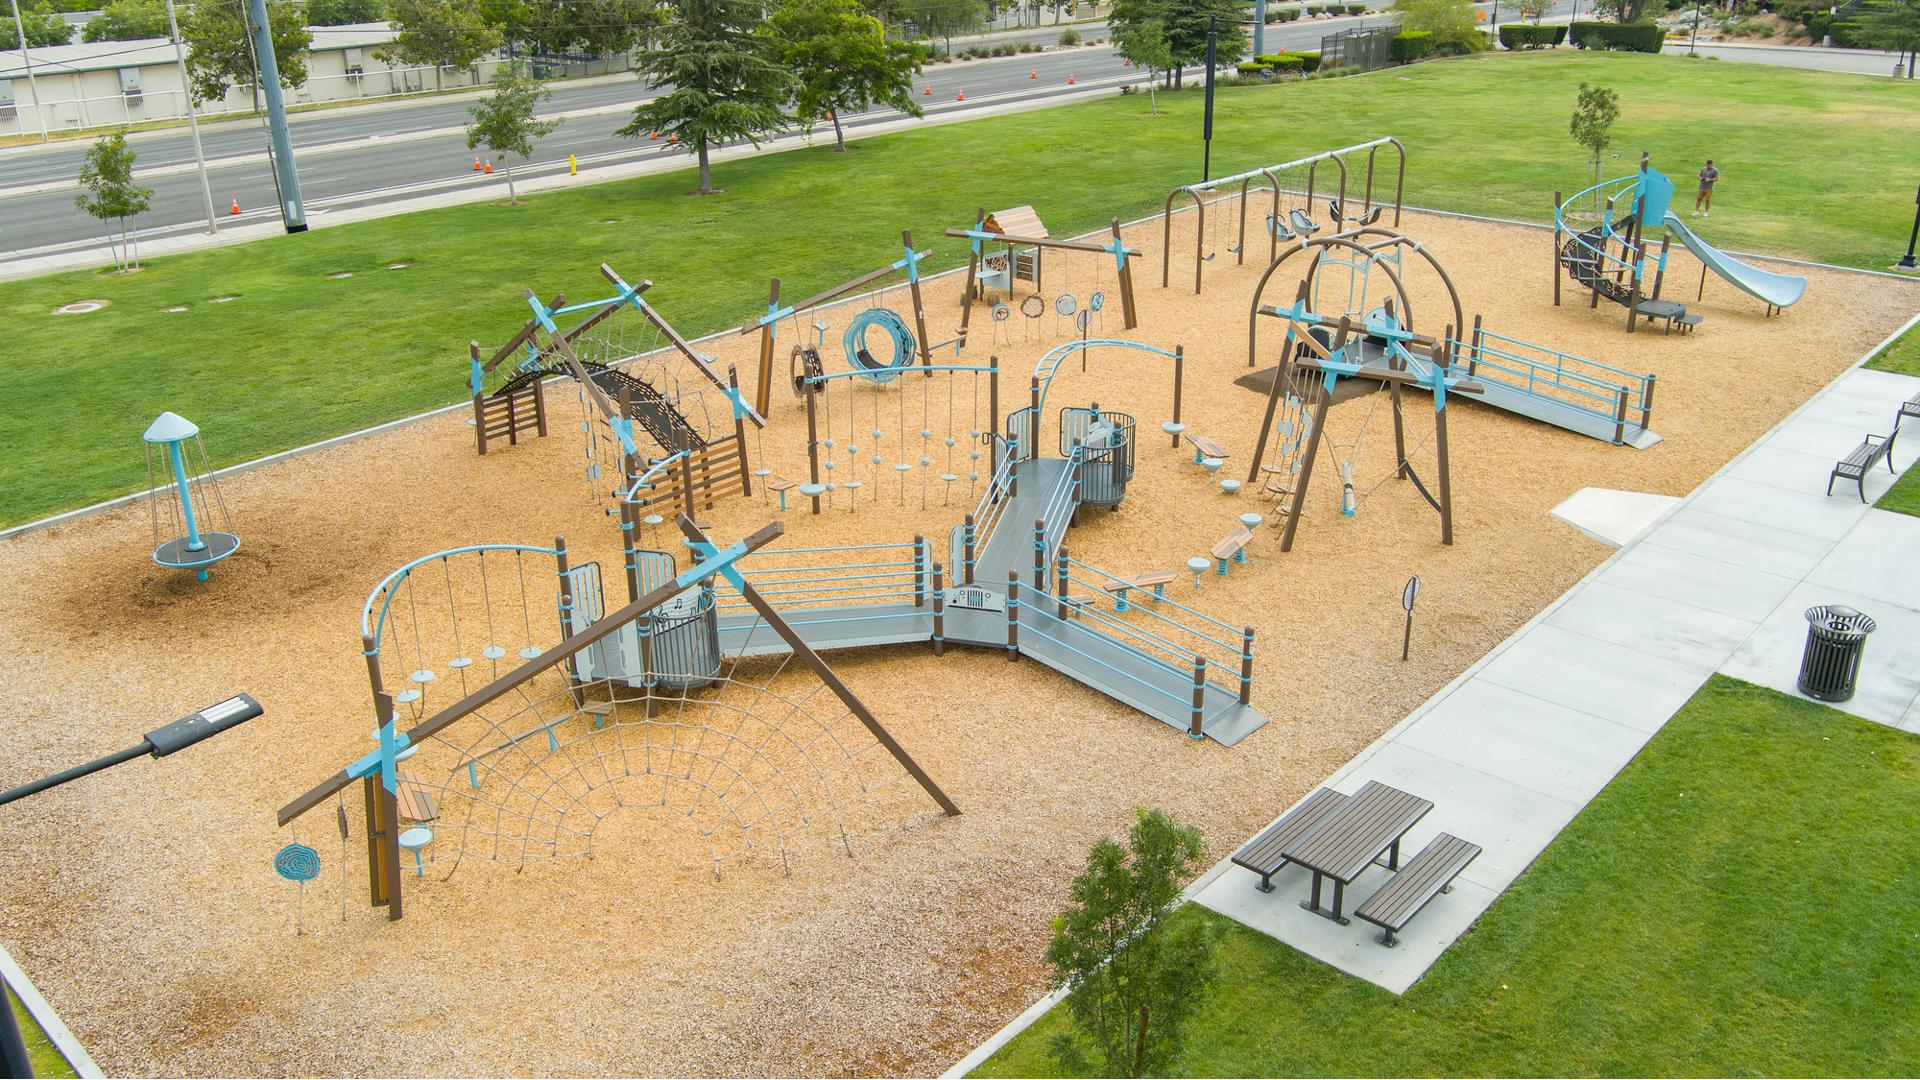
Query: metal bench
[1262, 854]
[1872, 451]
[1909, 407]
[1424, 877]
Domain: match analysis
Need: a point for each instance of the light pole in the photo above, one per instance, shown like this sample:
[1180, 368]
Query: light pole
[293, 210]
[1906, 262]
[1695, 35]
[193, 122]
[26, 59]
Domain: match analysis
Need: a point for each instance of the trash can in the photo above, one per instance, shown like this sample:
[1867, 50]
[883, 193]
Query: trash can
[1836, 636]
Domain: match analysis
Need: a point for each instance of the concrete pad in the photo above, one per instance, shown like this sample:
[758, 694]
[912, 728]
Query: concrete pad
[1652, 624]
[1742, 543]
[1543, 747]
[1351, 948]
[1876, 559]
[1812, 513]
[1699, 581]
[1610, 681]
[1612, 516]
[1829, 433]
[1793, 470]
[1889, 682]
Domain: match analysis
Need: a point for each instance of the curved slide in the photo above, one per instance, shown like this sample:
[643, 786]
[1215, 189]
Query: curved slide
[1780, 290]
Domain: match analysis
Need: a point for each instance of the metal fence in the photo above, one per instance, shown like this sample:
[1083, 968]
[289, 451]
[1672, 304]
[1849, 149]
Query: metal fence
[1361, 49]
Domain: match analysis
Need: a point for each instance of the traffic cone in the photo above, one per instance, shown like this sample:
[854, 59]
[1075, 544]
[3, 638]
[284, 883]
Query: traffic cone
[673, 138]
[1069, 80]
[961, 96]
[653, 135]
[1126, 63]
[489, 167]
[476, 163]
[1034, 74]
[236, 207]
[928, 91]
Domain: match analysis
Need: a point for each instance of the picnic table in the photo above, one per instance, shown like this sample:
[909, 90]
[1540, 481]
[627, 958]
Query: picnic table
[1371, 822]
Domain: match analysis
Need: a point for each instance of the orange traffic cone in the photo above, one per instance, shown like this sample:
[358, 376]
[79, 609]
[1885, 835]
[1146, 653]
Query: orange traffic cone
[1126, 63]
[1069, 80]
[236, 207]
[928, 91]
[961, 96]
[489, 166]
[476, 163]
[673, 138]
[1034, 74]
[654, 135]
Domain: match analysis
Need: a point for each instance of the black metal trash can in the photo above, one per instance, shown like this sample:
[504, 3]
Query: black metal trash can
[1836, 637]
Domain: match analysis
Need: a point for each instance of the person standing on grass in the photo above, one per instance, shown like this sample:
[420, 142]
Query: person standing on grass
[1703, 199]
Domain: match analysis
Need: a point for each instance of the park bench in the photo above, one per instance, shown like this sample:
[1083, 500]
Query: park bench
[1262, 854]
[1204, 448]
[1872, 451]
[1231, 548]
[1425, 876]
[1909, 407]
[1152, 579]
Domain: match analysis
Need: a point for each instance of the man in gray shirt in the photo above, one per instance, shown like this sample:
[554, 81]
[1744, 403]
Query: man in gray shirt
[1703, 199]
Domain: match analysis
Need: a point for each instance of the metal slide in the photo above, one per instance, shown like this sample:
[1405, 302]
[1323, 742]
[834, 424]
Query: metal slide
[1780, 290]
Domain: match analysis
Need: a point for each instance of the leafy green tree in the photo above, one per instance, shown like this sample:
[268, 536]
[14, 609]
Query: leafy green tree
[108, 193]
[1450, 22]
[842, 62]
[944, 18]
[1594, 113]
[1145, 44]
[219, 56]
[1623, 11]
[1184, 24]
[1133, 979]
[725, 79]
[504, 123]
[1894, 25]
[127, 20]
[344, 12]
[443, 33]
[43, 28]
[598, 27]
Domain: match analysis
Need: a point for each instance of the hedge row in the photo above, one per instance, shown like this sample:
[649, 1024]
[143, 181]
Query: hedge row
[1290, 14]
[1632, 37]
[1308, 62]
[1529, 36]
[1411, 45]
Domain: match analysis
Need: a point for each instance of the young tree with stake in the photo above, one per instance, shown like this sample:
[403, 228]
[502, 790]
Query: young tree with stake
[725, 77]
[108, 193]
[1592, 126]
[842, 62]
[504, 123]
[1145, 44]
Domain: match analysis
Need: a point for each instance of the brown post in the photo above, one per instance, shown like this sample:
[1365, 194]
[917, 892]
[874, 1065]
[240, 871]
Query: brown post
[1646, 402]
[566, 617]
[1620, 416]
[740, 435]
[1660, 272]
[920, 562]
[1060, 573]
[1033, 432]
[1639, 252]
[1013, 615]
[1393, 397]
[1479, 336]
[1446, 474]
[647, 681]
[686, 481]
[1199, 697]
[813, 444]
[1556, 251]
[972, 287]
[966, 546]
[1313, 451]
[763, 393]
[939, 611]
[1246, 666]
[1039, 555]
[627, 525]
[1129, 317]
[993, 420]
[1179, 377]
[919, 311]
[540, 405]
[1199, 240]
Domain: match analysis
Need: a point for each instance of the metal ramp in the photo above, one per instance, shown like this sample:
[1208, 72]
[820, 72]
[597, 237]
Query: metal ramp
[1558, 413]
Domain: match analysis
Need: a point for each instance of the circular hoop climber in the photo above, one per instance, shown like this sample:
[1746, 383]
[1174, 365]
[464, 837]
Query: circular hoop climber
[862, 359]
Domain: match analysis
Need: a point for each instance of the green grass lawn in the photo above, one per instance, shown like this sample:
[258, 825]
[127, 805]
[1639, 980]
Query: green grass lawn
[47, 1061]
[1901, 357]
[1807, 157]
[1739, 901]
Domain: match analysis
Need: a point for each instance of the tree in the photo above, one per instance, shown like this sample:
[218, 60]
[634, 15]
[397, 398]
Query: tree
[1145, 44]
[1133, 978]
[107, 192]
[1593, 115]
[504, 123]
[725, 79]
[344, 12]
[43, 28]
[220, 56]
[1622, 11]
[127, 20]
[1535, 10]
[1450, 22]
[598, 27]
[944, 18]
[443, 33]
[1894, 25]
[1184, 25]
[842, 62]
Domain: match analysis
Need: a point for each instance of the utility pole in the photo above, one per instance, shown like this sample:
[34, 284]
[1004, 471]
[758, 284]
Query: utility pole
[33, 87]
[1692, 37]
[193, 122]
[293, 212]
[1906, 262]
[1259, 28]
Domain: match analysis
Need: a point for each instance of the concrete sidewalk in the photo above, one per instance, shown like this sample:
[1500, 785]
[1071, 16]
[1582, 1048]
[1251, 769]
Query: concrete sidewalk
[1516, 746]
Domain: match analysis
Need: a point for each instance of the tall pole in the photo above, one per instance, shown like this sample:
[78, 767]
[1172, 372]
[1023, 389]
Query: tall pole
[1692, 37]
[1206, 128]
[26, 59]
[293, 212]
[1906, 262]
[193, 122]
[1259, 28]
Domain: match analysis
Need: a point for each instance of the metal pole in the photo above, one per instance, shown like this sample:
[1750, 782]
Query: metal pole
[1907, 263]
[293, 211]
[1259, 27]
[27, 60]
[193, 126]
[1206, 128]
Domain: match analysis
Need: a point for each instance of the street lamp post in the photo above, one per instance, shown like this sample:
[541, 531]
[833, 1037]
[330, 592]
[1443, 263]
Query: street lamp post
[1906, 262]
[1695, 35]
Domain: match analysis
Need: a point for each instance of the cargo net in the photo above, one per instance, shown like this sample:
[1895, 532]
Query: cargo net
[757, 755]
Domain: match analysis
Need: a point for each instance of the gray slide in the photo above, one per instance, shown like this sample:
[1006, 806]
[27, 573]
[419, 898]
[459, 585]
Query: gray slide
[1780, 290]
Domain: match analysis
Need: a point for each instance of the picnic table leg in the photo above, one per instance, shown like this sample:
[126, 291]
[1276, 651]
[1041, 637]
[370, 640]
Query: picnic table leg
[1393, 855]
[1266, 883]
[1339, 896]
[1313, 904]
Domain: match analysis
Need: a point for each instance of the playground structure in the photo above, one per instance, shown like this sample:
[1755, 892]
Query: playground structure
[951, 434]
[1606, 252]
[1026, 240]
[1292, 186]
[907, 342]
[1541, 383]
[596, 352]
[183, 505]
[536, 763]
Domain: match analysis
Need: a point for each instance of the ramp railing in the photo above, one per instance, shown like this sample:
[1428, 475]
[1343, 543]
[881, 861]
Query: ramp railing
[1610, 394]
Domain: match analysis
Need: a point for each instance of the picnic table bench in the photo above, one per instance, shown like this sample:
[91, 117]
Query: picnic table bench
[1152, 579]
[1369, 823]
[1204, 448]
[1231, 548]
[1872, 451]
[1265, 853]
[1426, 875]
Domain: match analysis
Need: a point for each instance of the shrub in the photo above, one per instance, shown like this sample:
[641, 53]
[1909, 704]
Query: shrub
[1634, 37]
[1287, 64]
[1356, 9]
[1309, 61]
[1252, 67]
[1411, 45]
[1313, 10]
[1030, 47]
[1529, 36]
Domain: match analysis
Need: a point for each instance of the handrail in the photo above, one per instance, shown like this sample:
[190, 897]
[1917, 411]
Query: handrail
[1606, 224]
[372, 628]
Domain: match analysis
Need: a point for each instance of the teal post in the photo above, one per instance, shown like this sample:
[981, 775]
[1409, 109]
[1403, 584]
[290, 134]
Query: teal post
[194, 543]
